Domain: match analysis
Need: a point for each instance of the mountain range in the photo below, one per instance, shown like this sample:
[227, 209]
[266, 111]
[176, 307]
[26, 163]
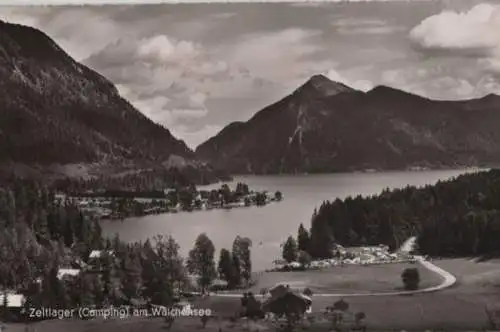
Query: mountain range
[326, 126]
[60, 118]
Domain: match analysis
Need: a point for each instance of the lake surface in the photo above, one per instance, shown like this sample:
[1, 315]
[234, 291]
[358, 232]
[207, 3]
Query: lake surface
[270, 225]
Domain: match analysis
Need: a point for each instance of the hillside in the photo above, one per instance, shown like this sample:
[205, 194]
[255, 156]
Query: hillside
[455, 218]
[325, 126]
[58, 117]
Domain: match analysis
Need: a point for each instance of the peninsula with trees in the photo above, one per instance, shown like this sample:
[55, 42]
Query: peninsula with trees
[120, 204]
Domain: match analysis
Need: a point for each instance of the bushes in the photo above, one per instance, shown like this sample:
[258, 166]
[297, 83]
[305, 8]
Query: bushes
[308, 292]
[411, 278]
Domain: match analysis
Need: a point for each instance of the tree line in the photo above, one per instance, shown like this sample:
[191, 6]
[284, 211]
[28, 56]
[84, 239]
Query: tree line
[40, 235]
[124, 203]
[457, 217]
[149, 180]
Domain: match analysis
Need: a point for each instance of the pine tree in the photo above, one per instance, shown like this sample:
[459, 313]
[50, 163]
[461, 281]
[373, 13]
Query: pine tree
[241, 250]
[131, 281]
[201, 261]
[227, 270]
[290, 250]
[303, 240]
[321, 238]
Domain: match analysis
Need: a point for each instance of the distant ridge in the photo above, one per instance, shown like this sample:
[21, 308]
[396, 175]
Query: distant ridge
[326, 126]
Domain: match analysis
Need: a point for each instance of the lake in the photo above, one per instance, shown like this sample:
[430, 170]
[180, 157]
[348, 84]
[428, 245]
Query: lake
[270, 225]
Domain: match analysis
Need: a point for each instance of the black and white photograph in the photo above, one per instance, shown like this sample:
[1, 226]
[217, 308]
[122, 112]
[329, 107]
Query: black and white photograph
[273, 166]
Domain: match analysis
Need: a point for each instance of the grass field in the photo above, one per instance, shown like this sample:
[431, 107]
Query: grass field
[348, 279]
[459, 308]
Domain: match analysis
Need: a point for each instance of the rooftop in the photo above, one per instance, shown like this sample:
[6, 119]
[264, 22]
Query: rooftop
[99, 253]
[13, 300]
[71, 272]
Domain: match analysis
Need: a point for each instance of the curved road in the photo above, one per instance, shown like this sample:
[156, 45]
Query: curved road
[448, 281]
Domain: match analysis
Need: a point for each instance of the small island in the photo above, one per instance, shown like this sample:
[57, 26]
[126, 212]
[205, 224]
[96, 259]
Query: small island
[121, 204]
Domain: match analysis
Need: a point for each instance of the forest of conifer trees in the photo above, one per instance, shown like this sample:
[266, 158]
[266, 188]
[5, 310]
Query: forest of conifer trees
[459, 217]
[40, 235]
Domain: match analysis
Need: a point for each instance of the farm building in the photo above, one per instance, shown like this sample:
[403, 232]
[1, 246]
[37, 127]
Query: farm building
[283, 298]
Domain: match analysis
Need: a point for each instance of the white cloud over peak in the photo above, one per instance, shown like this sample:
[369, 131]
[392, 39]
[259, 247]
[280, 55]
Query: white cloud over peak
[278, 56]
[363, 85]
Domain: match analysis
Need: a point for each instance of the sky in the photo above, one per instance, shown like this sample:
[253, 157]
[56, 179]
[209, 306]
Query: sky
[197, 67]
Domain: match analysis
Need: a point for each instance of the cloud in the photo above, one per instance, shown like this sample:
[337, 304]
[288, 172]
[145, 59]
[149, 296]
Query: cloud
[165, 110]
[367, 26]
[198, 99]
[171, 80]
[162, 48]
[277, 55]
[94, 31]
[363, 85]
[79, 31]
[223, 15]
[373, 30]
[168, 79]
[439, 82]
[154, 108]
[189, 113]
[358, 21]
[19, 16]
[196, 71]
[159, 109]
[159, 64]
[155, 50]
[474, 33]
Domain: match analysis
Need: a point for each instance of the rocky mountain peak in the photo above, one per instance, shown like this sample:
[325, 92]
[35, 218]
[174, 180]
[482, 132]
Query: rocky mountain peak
[320, 85]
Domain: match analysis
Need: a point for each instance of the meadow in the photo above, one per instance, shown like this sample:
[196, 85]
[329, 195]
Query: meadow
[349, 279]
[459, 308]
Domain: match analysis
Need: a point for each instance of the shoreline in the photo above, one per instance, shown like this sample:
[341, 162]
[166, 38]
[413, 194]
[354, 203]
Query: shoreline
[364, 171]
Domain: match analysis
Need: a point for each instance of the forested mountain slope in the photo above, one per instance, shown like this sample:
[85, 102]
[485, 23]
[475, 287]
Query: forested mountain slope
[57, 116]
[325, 126]
[460, 217]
